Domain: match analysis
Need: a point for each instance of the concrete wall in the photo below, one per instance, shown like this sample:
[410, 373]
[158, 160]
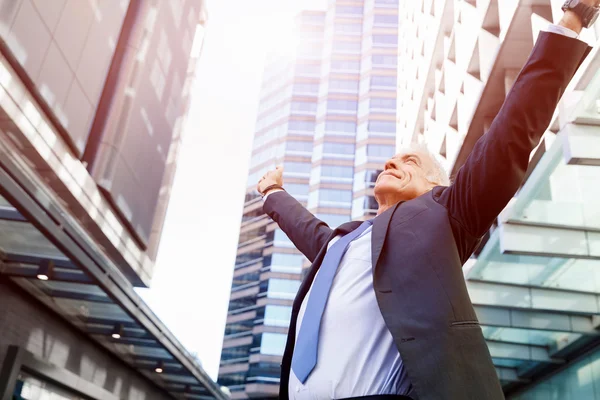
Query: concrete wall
[26, 323]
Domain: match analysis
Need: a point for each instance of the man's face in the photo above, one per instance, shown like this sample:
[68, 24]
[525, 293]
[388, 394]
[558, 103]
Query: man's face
[404, 177]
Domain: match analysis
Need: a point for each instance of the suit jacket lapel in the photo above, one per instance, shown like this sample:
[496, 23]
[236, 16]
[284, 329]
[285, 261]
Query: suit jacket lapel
[379, 232]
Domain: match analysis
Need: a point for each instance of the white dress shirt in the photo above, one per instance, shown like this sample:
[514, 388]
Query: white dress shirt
[357, 355]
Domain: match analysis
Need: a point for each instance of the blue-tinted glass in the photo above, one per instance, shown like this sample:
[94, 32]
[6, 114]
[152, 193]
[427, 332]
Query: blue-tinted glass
[297, 167]
[303, 87]
[337, 171]
[382, 126]
[273, 343]
[343, 85]
[293, 145]
[282, 262]
[308, 126]
[385, 39]
[333, 220]
[348, 28]
[304, 106]
[338, 148]
[278, 315]
[345, 105]
[333, 195]
[344, 46]
[382, 102]
[345, 65]
[386, 2]
[380, 19]
[340, 126]
[380, 150]
[297, 189]
[348, 10]
[283, 288]
[387, 81]
[389, 61]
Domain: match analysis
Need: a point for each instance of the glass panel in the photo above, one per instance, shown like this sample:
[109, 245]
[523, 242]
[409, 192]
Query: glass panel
[278, 315]
[272, 343]
[564, 273]
[283, 288]
[528, 336]
[588, 109]
[23, 238]
[560, 194]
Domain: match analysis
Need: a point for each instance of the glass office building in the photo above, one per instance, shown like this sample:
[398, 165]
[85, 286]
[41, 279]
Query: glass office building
[93, 96]
[534, 282]
[327, 114]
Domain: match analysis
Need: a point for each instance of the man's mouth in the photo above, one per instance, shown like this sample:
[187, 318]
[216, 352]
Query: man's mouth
[388, 173]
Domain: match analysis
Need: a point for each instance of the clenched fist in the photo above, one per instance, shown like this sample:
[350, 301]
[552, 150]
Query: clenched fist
[274, 177]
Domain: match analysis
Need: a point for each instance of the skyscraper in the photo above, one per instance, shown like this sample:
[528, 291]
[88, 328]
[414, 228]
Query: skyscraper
[327, 113]
[93, 96]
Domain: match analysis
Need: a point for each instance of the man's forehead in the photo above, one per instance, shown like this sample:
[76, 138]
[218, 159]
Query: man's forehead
[408, 152]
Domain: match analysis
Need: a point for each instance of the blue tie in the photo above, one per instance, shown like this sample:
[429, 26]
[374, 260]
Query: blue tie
[305, 350]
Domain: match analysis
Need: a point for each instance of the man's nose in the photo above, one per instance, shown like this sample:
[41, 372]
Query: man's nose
[391, 164]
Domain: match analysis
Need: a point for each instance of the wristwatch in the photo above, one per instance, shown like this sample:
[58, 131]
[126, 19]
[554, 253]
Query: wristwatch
[587, 14]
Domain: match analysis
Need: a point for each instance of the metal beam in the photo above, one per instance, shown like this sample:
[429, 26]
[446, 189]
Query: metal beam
[36, 260]
[58, 275]
[504, 317]
[522, 352]
[533, 298]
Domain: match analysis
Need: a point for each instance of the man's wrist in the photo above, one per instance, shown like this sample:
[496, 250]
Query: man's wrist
[571, 20]
[270, 189]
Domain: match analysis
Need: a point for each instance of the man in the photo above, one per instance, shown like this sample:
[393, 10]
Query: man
[384, 311]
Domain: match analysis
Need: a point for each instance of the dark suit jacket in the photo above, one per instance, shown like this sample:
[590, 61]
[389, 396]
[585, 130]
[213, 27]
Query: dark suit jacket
[419, 246]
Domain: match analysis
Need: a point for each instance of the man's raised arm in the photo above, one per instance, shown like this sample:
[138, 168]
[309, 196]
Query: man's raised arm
[496, 167]
[308, 233]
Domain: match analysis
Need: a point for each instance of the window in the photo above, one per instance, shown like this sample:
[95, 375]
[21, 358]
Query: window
[277, 315]
[345, 65]
[380, 151]
[387, 3]
[308, 69]
[304, 106]
[382, 102]
[333, 220]
[288, 263]
[297, 189]
[294, 145]
[340, 126]
[297, 167]
[356, 10]
[383, 81]
[384, 61]
[385, 39]
[283, 288]
[304, 87]
[280, 239]
[385, 19]
[342, 105]
[338, 148]
[348, 28]
[337, 171]
[382, 126]
[308, 126]
[343, 85]
[335, 196]
[345, 46]
[273, 343]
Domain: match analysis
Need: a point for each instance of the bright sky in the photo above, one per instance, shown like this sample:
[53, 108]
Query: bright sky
[192, 280]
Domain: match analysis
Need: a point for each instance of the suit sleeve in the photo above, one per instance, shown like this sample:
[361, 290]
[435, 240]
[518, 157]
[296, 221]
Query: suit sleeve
[308, 233]
[496, 167]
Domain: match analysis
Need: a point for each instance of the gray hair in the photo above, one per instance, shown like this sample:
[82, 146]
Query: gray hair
[436, 175]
